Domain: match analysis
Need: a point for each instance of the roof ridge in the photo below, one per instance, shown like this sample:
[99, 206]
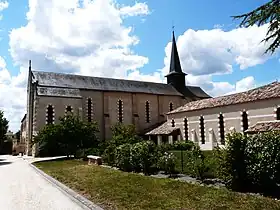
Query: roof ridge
[79, 75]
[211, 101]
[246, 91]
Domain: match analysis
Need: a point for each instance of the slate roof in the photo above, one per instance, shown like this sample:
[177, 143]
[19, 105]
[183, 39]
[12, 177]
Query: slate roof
[24, 117]
[61, 92]
[75, 82]
[264, 126]
[271, 90]
[51, 79]
[164, 129]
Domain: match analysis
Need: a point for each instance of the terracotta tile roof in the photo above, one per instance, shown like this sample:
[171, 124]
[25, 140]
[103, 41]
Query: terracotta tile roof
[264, 126]
[165, 128]
[271, 90]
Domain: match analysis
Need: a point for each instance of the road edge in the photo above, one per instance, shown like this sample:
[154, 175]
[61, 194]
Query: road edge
[74, 196]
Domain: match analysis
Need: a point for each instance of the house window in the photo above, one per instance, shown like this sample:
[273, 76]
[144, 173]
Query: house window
[186, 129]
[50, 115]
[278, 113]
[173, 123]
[245, 123]
[68, 110]
[120, 111]
[89, 109]
[222, 128]
[170, 106]
[147, 111]
[202, 134]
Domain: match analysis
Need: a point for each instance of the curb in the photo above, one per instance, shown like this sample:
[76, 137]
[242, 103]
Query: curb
[77, 198]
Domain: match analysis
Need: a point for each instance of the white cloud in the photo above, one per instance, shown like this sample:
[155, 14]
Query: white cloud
[215, 51]
[3, 5]
[205, 53]
[89, 38]
[12, 95]
[137, 9]
[73, 36]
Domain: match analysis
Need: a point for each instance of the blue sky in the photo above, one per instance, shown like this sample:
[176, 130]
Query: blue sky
[131, 40]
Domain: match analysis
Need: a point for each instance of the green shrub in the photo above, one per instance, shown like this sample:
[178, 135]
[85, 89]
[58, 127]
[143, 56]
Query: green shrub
[200, 169]
[232, 161]
[183, 145]
[167, 163]
[123, 157]
[194, 163]
[67, 137]
[263, 161]
[141, 156]
[123, 134]
[109, 155]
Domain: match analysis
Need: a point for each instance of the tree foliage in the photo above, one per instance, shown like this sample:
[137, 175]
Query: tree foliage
[18, 135]
[267, 13]
[121, 134]
[252, 163]
[4, 124]
[67, 137]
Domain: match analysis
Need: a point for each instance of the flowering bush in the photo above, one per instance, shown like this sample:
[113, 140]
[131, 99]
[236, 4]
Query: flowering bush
[123, 157]
[263, 161]
[167, 162]
[251, 163]
[144, 156]
[232, 167]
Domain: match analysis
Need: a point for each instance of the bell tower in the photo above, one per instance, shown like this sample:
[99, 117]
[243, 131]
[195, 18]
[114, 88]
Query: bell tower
[175, 77]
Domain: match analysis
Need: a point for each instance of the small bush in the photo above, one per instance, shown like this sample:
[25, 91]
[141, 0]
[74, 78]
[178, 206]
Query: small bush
[123, 134]
[232, 161]
[123, 157]
[263, 161]
[183, 145]
[167, 163]
[194, 163]
[141, 156]
[109, 155]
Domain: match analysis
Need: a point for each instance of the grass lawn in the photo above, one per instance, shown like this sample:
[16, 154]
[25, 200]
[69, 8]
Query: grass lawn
[113, 189]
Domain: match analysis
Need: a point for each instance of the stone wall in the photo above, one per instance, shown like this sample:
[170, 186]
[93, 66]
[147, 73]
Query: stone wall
[105, 108]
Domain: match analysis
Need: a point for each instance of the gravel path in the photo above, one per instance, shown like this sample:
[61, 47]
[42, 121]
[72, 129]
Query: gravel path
[22, 188]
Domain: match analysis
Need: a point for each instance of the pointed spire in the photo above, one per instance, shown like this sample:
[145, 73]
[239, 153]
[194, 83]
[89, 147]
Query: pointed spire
[175, 65]
[29, 65]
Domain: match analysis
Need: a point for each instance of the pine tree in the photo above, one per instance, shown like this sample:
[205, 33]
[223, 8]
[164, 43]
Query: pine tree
[267, 13]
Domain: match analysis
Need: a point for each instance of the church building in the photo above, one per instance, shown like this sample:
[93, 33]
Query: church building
[105, 100]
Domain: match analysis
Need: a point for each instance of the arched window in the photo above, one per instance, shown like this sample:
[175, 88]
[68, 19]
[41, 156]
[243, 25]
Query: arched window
[222, 128]
[50, 115]
[245, 123]
[147, 106]
[186, 129]
[278, 113]
[170, 106]
[202, 134]
[89, 109]
[173, 123]
[120, 111]
[68, 110]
